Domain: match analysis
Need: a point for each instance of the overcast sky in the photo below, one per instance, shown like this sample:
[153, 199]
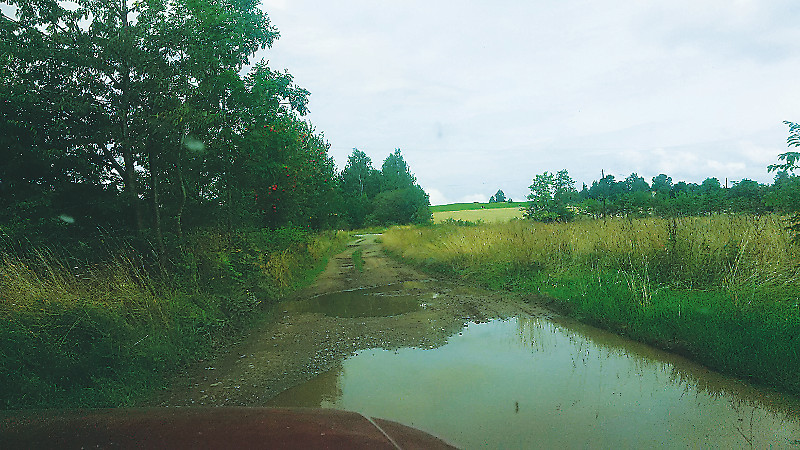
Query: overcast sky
[481, 96]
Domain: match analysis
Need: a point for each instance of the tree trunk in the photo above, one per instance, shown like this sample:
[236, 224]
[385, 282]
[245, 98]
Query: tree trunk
[156, 209]
[129, 175]
[182, 186]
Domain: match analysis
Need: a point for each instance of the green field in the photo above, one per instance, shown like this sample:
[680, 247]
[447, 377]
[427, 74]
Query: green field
[475, 212]
[489, 215]
[478, 206]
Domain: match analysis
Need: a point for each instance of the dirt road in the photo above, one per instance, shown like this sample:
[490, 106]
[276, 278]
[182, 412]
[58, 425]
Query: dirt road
[301, 342]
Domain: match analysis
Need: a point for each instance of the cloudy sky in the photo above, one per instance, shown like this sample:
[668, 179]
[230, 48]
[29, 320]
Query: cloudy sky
[483, 95]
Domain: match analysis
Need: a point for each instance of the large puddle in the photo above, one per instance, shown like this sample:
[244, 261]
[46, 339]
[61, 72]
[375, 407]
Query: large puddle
[529, 382]
[381, 301]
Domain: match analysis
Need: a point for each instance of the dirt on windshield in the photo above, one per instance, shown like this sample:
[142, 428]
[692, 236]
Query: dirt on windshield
[350, 307]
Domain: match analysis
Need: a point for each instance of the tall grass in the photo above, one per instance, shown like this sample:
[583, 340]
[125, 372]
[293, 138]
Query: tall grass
[723, 289]
[106, 333]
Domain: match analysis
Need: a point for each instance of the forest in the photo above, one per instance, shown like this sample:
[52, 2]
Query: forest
[140, 127]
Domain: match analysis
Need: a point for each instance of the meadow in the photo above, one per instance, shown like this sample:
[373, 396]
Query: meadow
[477, 206]
[491, 215]
[722, 289]
[110, 332]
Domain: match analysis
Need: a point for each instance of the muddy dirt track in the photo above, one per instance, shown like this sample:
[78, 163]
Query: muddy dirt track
[300, 343]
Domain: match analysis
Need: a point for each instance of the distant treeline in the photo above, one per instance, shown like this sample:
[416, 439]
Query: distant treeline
[554, 197]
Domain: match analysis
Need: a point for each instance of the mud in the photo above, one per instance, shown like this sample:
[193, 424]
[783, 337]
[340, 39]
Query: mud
[300, 343]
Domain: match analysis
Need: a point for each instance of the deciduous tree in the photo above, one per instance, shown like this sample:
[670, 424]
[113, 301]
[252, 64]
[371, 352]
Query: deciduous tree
[550, 196]
[791, 162]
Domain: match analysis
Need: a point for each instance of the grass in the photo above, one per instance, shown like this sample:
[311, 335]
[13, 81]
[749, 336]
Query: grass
[478, 215]
[107, 334]
[358, 260]
[724, 290]
[478, 206]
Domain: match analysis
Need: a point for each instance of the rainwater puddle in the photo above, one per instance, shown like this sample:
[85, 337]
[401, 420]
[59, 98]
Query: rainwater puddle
[382, 301]
[533, 383]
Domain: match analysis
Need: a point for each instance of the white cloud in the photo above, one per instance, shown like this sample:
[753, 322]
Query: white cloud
[481, 97]
[436, 197]
[273, 5]
[483, 198]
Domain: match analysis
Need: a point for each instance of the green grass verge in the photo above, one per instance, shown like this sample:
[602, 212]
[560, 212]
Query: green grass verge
[111, 335]
[747, 329]
[758, 343]
[756, 340]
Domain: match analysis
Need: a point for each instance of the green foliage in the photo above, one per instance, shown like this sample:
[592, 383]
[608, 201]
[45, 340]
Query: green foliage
[107, 334]
[498, 197]
[662, 185]
[787, 198]
[633, 197]
[395, 173]
[550, 196]
[385, 197]
[122, 116]
[400, 206]
[359, 184]
[790, 159]
[145, 121]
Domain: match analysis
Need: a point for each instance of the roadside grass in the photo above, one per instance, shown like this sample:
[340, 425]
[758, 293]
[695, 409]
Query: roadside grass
[109, 333]
[724, 290]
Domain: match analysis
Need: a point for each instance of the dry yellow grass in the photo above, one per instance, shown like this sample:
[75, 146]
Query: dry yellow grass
[494, 215]
[733, 251]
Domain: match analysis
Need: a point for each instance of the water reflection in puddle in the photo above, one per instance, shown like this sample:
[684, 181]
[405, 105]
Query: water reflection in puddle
[382, 301]
[528, 382]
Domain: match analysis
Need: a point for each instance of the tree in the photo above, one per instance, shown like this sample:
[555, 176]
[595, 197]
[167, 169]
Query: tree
[401, 200]
[498, 197]
[395, 173]
[550, 196]
[143, 111]
[359, 184]
[388, 196]
[607, 188]
[564, 191]
[635, 183]
[662, 185]
[604, 194]
[359, 178]
[791, 162]
[747, 196]
[401, 206]
[713, 196]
